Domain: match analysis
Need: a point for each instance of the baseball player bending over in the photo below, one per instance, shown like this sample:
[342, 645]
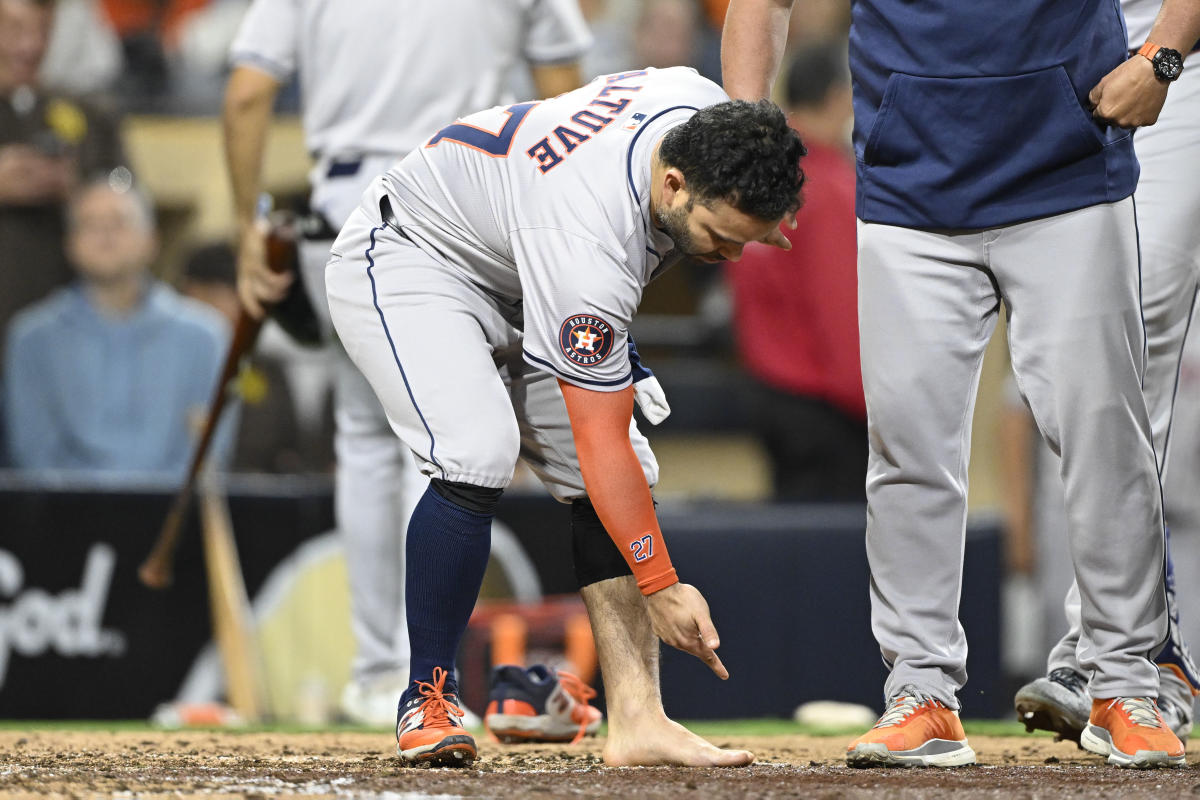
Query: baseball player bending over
[485, 287]
[364, 111]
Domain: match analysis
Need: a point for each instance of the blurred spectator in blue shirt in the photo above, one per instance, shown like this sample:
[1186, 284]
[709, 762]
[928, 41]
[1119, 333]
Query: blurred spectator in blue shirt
[111, 374]
[49, 141]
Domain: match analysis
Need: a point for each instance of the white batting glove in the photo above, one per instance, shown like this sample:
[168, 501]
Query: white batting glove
[651, 399]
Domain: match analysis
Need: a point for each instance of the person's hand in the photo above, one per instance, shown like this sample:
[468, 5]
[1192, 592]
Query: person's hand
[1130, 96]
[679, 616]
[257, 285]
[29, 177]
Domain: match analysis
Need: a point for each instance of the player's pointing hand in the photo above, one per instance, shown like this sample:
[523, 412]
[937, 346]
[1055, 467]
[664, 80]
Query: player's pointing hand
[679, 616]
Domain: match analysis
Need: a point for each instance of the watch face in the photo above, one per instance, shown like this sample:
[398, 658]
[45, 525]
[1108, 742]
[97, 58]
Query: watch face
[1168, 64]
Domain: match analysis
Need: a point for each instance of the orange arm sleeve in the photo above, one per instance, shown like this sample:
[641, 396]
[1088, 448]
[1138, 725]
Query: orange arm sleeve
[615, 482]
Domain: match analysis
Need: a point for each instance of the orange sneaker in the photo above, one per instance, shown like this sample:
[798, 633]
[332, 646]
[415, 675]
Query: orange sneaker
[1131, 732]
[537, 705]
[914, 731]
[430, 730]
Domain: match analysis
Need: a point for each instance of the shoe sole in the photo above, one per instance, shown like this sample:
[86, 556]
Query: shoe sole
[452, 751]
[934, 753]
[1040, 713]
[1097, 740]
[514, 728]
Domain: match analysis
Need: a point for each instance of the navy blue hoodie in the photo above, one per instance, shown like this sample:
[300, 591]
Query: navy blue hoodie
[972, 113]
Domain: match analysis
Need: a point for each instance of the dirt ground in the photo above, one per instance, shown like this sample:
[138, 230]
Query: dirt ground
[217, 765]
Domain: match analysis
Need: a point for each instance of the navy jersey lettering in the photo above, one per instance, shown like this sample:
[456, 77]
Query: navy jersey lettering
[496, 144]
[544, 154]
[570, 137]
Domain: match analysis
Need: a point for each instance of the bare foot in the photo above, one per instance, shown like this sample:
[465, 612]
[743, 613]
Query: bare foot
[662, 741]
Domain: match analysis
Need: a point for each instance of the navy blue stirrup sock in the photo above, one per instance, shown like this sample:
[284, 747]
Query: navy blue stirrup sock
[446, 555]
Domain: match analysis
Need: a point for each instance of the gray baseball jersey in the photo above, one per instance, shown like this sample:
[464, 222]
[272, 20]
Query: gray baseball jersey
[548, 203]
[518, 254]
[377, 82]
[379, 76]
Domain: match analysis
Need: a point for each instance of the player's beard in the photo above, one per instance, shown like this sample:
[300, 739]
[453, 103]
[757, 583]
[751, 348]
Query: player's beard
[674, 223]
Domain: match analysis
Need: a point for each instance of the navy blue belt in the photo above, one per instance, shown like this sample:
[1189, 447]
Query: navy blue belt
[344, 169]
[315, 228]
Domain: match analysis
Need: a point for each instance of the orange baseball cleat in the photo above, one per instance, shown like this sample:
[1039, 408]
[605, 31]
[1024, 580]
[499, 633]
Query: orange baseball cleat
[1131, 732]
[430, 729]
[536, 705]
[915, 731]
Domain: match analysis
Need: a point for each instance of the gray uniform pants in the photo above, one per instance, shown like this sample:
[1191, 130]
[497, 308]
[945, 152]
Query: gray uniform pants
[444, 358]
[928, 303]
[1168, 200]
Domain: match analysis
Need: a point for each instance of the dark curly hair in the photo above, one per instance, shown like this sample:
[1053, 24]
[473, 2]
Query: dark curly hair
[742, 153]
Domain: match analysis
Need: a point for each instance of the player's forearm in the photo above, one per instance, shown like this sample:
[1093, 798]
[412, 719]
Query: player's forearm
[615, 483]
[618, 491]
[752, 46]
[246, 120]
[1177, 25]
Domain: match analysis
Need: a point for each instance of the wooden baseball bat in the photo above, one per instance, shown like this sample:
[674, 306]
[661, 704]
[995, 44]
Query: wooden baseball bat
[282, 256]
[233, 628]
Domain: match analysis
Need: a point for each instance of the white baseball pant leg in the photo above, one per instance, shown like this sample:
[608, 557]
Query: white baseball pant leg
[927, 305]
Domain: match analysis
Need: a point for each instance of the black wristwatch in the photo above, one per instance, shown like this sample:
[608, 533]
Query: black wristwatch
[1168, 63]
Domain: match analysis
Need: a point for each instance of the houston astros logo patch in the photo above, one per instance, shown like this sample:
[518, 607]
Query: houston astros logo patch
[585, 339]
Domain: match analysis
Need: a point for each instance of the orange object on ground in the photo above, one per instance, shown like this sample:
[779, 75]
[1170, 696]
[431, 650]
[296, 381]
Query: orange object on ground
[557, 624]
[581, 647]
[509, 632]
[196, 715]
[537, 705]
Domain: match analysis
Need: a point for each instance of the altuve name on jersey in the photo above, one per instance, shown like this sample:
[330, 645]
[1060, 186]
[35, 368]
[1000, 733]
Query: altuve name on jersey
[553, 148]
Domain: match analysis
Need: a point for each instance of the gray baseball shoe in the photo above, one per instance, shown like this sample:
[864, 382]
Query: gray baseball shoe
[1060, 703]
[1057, 703]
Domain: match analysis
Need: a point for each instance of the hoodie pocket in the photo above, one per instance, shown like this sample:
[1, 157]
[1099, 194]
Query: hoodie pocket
[980, 141]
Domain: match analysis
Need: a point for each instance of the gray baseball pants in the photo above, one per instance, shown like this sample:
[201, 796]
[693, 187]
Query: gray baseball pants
[444, 358]
[1168, 204]
[928, 303]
